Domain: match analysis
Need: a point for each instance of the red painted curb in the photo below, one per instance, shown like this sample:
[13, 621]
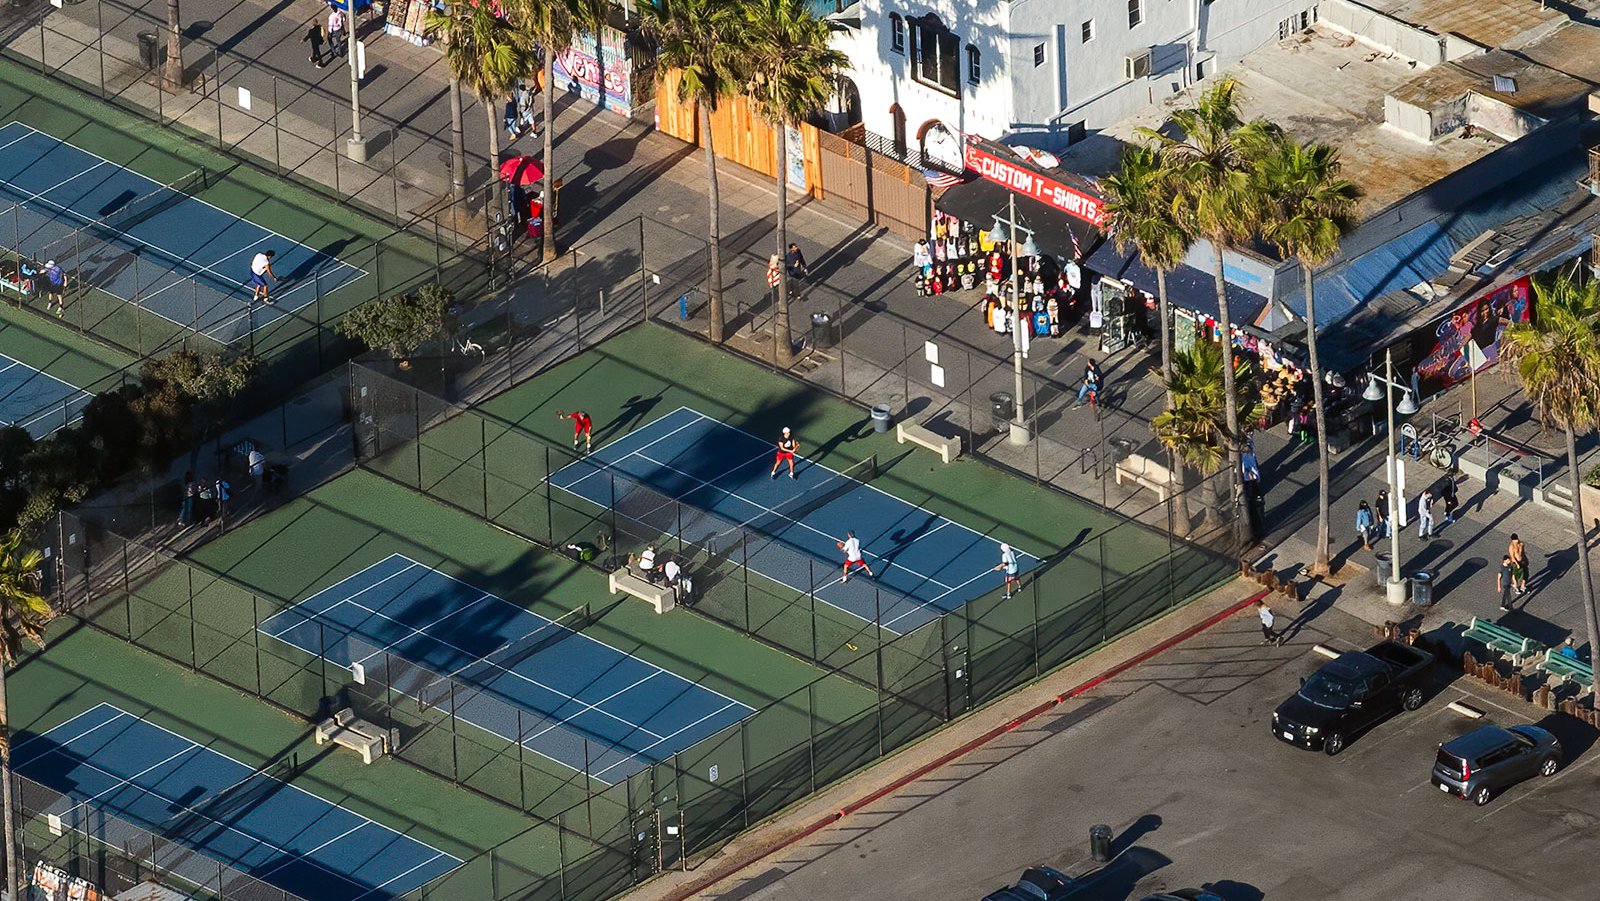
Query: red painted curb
[976, 743]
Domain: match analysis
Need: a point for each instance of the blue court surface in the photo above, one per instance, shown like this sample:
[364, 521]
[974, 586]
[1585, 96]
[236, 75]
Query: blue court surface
[518, 675]
[37, 401]
[182, 258]
[111, 762]
[926, 564]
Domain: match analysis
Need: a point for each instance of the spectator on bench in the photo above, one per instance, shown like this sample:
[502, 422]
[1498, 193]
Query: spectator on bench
[645, 563]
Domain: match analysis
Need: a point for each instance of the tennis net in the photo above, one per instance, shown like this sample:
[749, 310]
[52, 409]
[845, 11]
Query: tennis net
[485, 671]
[775, 520]
[135, 211]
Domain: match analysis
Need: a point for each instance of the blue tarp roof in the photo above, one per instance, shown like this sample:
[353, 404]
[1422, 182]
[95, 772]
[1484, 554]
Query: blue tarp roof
[1424, 252]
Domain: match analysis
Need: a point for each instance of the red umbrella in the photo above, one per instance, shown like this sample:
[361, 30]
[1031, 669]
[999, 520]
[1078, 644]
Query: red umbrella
[521, 170]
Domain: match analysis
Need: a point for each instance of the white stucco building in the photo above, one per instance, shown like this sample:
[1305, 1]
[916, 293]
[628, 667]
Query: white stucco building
[1036, 72]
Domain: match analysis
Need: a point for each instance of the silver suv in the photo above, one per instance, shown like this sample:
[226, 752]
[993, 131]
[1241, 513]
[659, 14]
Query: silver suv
[1486, 761]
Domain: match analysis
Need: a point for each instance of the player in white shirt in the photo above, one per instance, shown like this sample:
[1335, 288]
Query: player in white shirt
[851, 545]
[260, 269]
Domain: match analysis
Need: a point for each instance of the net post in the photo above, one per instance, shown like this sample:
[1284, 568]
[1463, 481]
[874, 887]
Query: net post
[744, 571]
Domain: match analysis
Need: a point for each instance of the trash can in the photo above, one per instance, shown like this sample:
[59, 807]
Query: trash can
[1100, 842]
[880, 419]
[1383, 568]
[821, 330]
[1422, 588]
[1002, 407]
[148, 49]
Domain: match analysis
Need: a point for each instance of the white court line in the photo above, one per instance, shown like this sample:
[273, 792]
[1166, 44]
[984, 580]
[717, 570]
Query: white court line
[799, 522]
[866, 485]
[146, 298]
[98, 726]
[437, 854]
[603, 466]
[156, 184]
[555, 722]
[343, 835]
[667, 736]
[73, 395]
[195, 746]
[513, 673]
[308, 602]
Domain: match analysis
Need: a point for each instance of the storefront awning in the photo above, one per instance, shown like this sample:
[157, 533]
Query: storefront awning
[979, 201]
[1187, 287]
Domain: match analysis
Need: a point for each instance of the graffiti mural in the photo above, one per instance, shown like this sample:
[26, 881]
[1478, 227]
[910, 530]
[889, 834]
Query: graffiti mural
[1468, 340]
[598, 69]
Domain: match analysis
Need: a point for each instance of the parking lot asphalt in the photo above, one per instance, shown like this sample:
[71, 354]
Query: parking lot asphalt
[1177, 757]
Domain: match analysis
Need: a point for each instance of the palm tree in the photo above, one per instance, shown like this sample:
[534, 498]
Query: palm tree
[1556, 357]
[485, 52]
[1309, 212]
[554, 23]
[1142, 210]
[791, 75]
[1221, 203]
[700, 39]
[172, 71]
[1194, 426]
[23, 617]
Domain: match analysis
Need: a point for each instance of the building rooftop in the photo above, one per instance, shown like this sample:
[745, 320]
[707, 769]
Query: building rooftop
[1487, 23]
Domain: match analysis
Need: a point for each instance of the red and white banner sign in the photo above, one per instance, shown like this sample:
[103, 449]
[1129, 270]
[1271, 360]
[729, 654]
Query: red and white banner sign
[1012, 177]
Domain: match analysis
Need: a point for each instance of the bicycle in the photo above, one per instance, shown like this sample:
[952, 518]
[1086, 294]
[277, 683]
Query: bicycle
[1438, 446]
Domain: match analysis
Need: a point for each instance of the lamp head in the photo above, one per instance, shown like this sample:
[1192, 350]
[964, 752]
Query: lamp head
[998, 233]
[1030, 247]
[1407, 405]
[1373, 392]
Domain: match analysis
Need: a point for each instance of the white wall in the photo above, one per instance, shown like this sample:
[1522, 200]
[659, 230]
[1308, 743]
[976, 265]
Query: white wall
[1077, 82]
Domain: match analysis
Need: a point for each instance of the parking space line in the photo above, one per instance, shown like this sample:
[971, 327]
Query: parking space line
[1541, 783]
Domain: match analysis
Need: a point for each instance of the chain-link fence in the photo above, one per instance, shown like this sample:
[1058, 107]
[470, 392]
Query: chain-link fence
[116, 855]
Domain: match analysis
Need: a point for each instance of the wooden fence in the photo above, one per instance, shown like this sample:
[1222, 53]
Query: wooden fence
[870, 186]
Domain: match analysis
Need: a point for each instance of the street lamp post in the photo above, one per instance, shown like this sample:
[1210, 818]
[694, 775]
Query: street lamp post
[1019, 422]
[1395, 588]
[356, 147]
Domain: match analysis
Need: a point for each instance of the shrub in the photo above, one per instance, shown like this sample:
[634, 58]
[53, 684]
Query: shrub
[1592, 477]
[400, 324]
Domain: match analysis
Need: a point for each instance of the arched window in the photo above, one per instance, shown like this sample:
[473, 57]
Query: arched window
[898, 132]
[897, 33]
[974, 69]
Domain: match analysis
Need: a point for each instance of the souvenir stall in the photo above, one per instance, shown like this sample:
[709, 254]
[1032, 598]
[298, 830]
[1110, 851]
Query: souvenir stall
[1058, 221]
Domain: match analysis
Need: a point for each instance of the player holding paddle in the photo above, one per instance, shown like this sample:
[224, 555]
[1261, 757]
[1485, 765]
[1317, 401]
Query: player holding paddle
[582, 427]
[851, 545]
[787, 448]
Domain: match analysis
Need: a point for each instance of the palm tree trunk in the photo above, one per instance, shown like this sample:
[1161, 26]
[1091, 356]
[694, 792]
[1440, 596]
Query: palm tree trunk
[1320, 564]
[458, 145]
[549, 155]
[1180, 503]
[1585, 574]
[782, 346]
[496, 198]
[714, 282]
[172, 72]
[5, 792]
[1230, 400]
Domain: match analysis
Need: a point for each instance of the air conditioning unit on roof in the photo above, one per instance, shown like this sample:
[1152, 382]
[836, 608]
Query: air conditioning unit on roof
[1136, 65]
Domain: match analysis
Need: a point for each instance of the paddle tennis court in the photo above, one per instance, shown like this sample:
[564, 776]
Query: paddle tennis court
[151, 244]
[37, 401]
[118, 768]
[929, 563]
[523, 677]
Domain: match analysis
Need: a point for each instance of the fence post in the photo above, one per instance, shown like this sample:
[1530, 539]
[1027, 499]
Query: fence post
[100, 43]
[277, 128]
[216, 87]
[644, 276]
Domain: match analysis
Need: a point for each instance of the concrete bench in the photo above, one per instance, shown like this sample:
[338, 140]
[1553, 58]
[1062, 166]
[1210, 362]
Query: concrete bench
[659, 596]
[947, 448]
[1566, 669]
[1503, 641]
[1145, 473]
[360, 736]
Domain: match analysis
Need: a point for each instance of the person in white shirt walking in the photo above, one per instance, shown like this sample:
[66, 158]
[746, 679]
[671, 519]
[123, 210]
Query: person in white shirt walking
[336, 45]
[1425, 514]
[1268, 636]
[851, 545]
[260, 271]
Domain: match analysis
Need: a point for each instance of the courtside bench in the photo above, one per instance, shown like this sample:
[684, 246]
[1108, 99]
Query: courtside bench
[1503, 641]
[1145, 473]
[1565, 669]
[366, 739]
[659, 596]
[948, 449]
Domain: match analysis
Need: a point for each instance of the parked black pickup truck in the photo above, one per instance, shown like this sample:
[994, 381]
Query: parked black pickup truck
[1350, 694]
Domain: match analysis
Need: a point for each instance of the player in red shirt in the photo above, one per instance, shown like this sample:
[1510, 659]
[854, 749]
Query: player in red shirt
[787, 448]
[582, 427]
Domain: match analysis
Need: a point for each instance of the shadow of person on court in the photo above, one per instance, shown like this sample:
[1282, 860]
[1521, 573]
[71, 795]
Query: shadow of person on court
[855, 431]
[634, 411]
